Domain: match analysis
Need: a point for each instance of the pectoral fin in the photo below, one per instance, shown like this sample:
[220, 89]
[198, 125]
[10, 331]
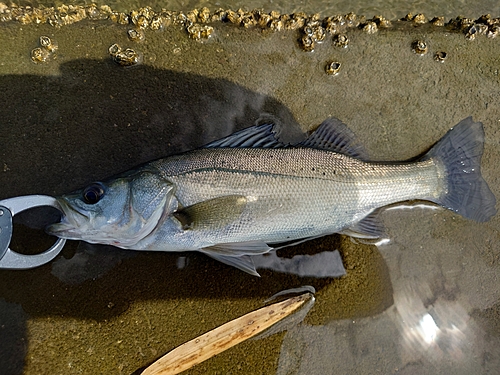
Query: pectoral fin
[211, 214]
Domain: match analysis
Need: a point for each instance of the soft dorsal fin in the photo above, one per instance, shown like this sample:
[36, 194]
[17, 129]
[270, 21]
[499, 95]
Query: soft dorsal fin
[258, 136]
[334, 135]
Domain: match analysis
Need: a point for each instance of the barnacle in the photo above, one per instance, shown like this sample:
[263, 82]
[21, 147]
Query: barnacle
[471, 33]
[307, 43]
[264, 20]
[314, 30]
[341, 40]
[382, 22]
[437, 21]
[419, 18]
[48, 44]
[39, 55]
[197, 31]
[114, 49]
[370, 27]
[351, 20]
[204, 15]
[233, 17]
[332, 68]
[156, 22]
[119, 18]
[135, 35]
[142, 17]
[296, 21]
[127, 57]
[419, 47]
[440, 56]
[493, 31]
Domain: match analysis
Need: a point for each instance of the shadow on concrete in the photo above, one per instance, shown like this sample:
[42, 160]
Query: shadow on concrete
[94, 120]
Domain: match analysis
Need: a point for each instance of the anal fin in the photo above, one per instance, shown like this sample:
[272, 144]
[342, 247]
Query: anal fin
[368, 228]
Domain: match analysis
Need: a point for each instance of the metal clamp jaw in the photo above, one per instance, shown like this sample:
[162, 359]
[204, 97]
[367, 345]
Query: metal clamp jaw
[8, 209]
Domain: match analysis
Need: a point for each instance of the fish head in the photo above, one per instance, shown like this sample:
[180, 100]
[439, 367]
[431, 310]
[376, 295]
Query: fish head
[118, 212]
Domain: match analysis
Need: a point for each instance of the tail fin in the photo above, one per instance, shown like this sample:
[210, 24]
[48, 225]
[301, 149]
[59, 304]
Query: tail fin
[460, 151]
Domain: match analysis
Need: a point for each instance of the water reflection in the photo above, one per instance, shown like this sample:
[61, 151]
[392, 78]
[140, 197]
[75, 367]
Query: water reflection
[437, 332]
[406, 339]
[320, 265]
[442, 318]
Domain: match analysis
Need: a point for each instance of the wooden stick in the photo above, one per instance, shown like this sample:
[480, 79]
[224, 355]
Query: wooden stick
[224, 337]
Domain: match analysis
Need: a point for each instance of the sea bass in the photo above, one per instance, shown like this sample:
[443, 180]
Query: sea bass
[243, 194]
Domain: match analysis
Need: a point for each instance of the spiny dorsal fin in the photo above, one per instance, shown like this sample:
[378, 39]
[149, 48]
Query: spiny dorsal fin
[334, 135]
[258, 136]
[211, 214]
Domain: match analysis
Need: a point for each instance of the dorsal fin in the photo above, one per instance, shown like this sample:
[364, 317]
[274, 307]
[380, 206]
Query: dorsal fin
[258, 136]
[334, 135]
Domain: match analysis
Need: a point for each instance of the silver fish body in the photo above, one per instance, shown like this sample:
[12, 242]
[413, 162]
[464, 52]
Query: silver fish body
[287, 194]
[239, 195]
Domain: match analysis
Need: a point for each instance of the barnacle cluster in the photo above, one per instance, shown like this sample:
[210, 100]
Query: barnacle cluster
[484, 25]
[199, 23]
[273, 20]
[312, 33]
[338, 25]
[45, 51]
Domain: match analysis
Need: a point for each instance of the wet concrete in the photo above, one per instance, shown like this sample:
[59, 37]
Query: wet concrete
[80, 117]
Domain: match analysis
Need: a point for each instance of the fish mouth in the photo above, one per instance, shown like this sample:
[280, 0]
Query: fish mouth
[63, 230]
[72, 224]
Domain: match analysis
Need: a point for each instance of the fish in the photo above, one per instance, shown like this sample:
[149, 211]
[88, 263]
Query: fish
[248, 193]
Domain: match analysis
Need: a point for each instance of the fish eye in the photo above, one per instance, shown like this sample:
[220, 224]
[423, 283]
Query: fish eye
[93, 193]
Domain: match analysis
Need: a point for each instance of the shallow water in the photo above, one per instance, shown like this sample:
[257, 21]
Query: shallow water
[426, 301]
